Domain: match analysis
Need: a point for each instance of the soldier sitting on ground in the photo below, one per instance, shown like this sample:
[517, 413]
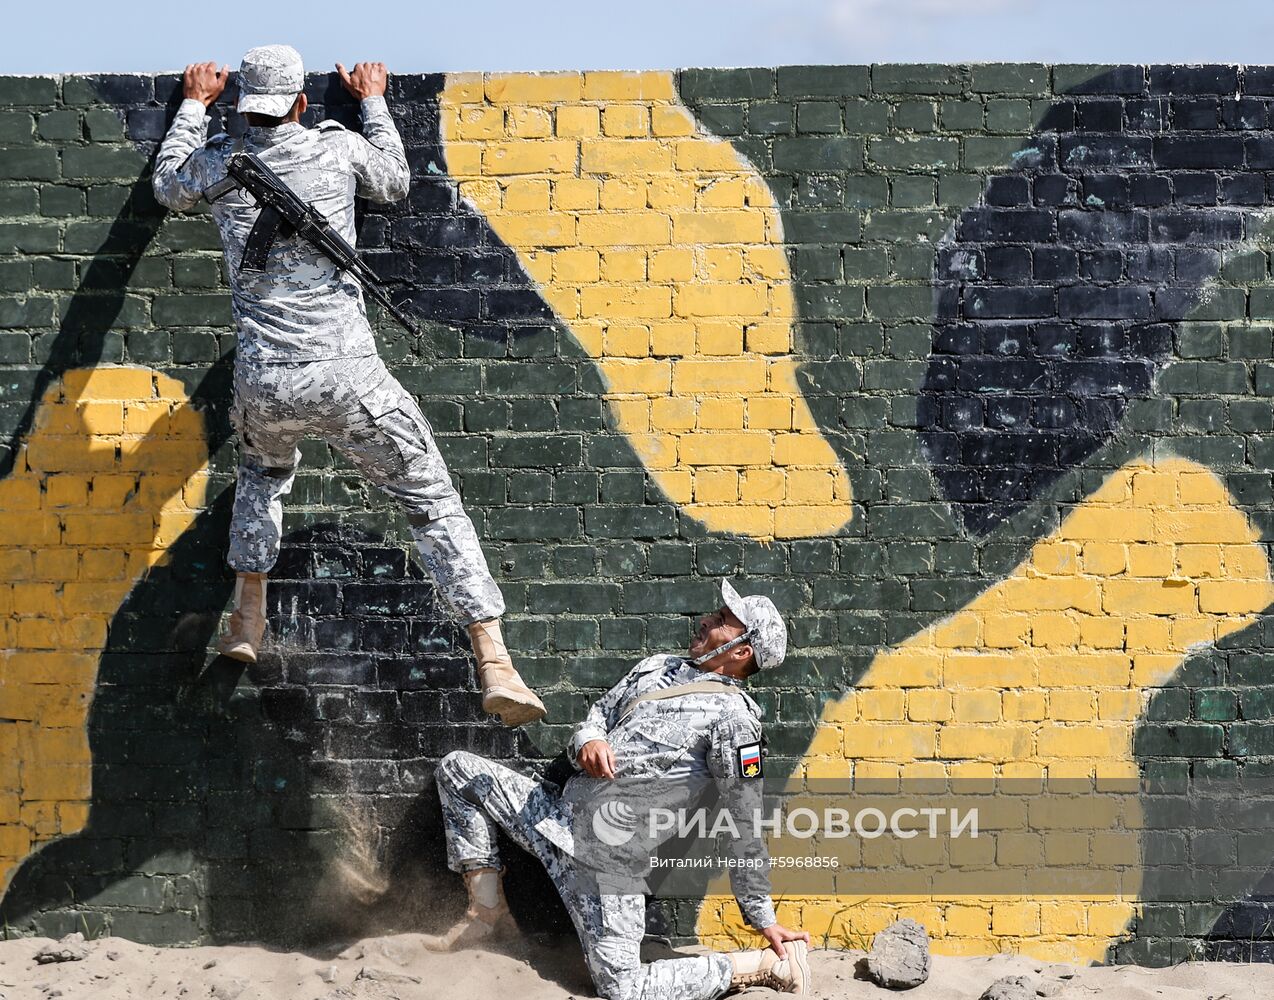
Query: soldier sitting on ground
[676, 726]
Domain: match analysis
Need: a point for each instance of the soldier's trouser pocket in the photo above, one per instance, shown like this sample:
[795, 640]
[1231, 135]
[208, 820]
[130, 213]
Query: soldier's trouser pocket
[405, 448]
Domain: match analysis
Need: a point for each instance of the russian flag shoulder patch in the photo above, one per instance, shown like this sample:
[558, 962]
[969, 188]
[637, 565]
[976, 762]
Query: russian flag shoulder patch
[750, 760]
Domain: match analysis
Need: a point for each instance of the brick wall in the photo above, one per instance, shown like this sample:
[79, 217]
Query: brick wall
[970, 368]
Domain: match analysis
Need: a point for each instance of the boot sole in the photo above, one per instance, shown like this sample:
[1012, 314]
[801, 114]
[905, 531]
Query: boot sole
[798, 955]
[240, 651]
[513, 709]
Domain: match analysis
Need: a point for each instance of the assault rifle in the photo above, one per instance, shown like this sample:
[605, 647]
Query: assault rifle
[283, 213]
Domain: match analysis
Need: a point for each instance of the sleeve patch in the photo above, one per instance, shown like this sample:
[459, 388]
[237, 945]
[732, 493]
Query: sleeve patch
[750, 760]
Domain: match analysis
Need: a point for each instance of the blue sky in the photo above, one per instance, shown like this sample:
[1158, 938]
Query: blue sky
[416, 36]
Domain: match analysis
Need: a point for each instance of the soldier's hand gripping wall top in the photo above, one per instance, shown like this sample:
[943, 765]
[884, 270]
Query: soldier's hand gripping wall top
[306, 362]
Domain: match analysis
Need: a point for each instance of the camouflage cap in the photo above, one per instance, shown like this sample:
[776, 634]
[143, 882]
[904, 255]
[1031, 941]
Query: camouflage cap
[270, 77]
[767, 635]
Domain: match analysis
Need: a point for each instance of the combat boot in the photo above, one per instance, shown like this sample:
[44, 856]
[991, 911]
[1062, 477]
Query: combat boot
[503, 692]
[242, 637]
[765, 968]
[488, 914]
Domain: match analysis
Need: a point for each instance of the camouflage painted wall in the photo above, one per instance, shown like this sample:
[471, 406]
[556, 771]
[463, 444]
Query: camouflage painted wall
[970, 368]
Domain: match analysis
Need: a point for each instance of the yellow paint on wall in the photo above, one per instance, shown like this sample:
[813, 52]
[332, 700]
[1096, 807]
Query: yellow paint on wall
[1042, 678]
[661, 248]
[113, 471]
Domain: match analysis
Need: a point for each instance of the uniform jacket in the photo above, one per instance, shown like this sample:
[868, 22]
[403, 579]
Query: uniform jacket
[687, 746]
[300, 308]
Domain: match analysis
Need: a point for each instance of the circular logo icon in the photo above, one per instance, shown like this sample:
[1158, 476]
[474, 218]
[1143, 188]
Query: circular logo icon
[614, 823]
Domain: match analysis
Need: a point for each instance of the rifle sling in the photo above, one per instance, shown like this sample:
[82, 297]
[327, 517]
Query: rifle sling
[696, 687]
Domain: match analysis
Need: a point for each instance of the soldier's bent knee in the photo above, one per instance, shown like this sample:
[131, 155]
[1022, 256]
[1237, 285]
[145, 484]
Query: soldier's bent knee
[455, 767]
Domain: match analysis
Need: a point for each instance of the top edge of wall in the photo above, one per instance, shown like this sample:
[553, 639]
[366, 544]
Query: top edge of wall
[680, 69]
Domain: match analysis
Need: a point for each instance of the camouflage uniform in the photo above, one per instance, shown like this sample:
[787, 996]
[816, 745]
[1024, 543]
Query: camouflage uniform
[686, 743]
[306, 361]
[356, 404]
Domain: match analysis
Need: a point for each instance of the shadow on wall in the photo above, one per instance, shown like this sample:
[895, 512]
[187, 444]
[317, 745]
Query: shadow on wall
[263, 805]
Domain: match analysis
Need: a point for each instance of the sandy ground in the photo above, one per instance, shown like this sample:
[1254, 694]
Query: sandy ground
[397, 967]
